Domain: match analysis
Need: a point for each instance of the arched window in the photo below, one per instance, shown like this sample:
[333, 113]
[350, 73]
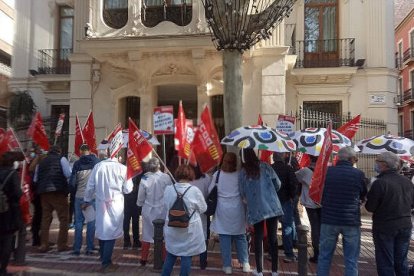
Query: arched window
[115, 13]
[176, 11]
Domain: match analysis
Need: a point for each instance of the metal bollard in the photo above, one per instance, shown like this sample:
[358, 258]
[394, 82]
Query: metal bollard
[158, 243]
[302, 231]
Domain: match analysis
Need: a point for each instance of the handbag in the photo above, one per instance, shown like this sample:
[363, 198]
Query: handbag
[212, 198]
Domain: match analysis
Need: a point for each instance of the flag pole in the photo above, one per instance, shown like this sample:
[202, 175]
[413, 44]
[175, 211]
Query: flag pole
[165, 166]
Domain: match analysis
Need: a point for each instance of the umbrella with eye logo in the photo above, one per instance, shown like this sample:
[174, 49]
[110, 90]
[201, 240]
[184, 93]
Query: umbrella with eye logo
[259, 137]
[383, 143]
[310, 140]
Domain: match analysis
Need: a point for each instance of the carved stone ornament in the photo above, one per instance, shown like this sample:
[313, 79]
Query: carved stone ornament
[89, 30]
[173, 69]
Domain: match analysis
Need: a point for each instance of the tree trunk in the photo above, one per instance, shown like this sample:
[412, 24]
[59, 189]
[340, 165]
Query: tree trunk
[233, 90]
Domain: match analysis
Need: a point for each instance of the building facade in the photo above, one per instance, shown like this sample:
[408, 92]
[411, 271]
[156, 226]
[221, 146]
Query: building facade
[7, 17]
[404, 57]
[121, 58]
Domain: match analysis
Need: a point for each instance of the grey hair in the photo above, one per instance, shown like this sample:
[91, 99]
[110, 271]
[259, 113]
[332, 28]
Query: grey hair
[346, 153]
[391, 159]
[153, 165]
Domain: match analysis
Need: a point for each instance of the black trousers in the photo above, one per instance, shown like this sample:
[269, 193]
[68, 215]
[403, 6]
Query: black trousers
[131, 212]
[6, 246]
[271, 224]
[36, 220]
[314, 216]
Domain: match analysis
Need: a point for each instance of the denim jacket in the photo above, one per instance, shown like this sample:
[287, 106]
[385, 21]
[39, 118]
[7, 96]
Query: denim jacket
[261, 194]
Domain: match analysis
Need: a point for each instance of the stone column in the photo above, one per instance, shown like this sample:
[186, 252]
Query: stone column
[80, 92]
[81, 18]
[268, 85]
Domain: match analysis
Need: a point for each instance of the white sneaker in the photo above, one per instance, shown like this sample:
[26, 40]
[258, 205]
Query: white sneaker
[246, 267]
[275, 274]
[227, 270]
[255, 273]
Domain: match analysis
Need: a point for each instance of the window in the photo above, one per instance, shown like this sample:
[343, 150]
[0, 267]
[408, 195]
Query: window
[412, 79]
[132, 110]
[176, 11]
[65, 27]
[400, 86]
[400, 126]
[115, 13]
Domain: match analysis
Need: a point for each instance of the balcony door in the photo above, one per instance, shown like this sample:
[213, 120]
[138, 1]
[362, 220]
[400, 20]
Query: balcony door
[66, 16]
[321, 33]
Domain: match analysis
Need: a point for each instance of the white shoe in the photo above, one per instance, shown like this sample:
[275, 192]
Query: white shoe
[227, 270]
[255, 273]
[275, 274]
[246, 267]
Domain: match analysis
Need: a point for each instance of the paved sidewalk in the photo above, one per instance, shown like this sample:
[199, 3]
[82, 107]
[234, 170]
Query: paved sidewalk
[54, 263]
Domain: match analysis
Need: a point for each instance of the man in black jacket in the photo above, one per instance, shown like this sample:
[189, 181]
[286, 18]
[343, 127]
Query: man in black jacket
[52, 186]
[10, 219]
[391, 199]
[286, 196]
[340, 214]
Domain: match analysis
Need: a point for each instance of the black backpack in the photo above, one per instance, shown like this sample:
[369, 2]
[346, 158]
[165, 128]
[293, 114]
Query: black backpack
[212, 199]
[178, 215]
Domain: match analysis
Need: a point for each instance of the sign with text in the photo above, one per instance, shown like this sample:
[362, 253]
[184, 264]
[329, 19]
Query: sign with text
[286, 123]
[163, 120]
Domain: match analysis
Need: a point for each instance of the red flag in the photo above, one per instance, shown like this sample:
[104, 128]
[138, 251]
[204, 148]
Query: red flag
[12, 141]
[79, 140]
[180, 131]
[116, 140]
[138, 150]
[59, 125]
[206, 145]
[4, 145]
[89, 133]
[303, 159]
[264, 155]
[350, 128]
[189, 138]
[319, 174]
[38, 133]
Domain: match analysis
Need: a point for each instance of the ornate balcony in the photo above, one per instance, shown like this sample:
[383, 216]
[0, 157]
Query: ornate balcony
[325, 53]
[408, 56]
[54, 61]
[408, 95]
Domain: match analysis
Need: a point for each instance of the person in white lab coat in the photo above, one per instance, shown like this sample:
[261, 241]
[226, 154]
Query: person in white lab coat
[229, 221]
[151, 198]
[108, 183]
[184, 242]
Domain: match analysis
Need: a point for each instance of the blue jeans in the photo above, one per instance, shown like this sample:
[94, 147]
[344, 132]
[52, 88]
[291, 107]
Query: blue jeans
[168, 266]
[288, 228]
[351, 240]
[225, 248]
[106, 247]
[391, 251]
[90, 228]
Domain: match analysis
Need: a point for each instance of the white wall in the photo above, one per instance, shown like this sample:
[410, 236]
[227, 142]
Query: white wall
[7, 28]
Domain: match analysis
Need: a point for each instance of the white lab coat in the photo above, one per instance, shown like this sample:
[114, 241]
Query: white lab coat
[185, 241]
[151, 198]
[230, 216]
[108, 183]
[203, 184]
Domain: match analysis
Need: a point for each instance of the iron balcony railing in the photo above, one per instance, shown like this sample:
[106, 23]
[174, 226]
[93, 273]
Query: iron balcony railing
[408, 95]
[325, 53]
[54, 61]
[408, 55]
[398, 100]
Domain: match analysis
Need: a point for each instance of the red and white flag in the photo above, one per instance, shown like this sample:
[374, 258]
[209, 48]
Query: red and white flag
[59, 125]
[89, 136]
[264, 155]
[79, 140]
[38, 133]
[180, 130]
[12, 140]
[138, 150]
[350, 128]
[321, 167]
[116, 140]
[206, 145]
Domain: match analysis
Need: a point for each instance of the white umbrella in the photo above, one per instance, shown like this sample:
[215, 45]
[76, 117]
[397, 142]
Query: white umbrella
[382, 143]
[150, 138]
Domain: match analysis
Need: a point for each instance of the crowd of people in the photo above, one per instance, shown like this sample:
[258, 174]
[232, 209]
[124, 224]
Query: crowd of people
[252, 198]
